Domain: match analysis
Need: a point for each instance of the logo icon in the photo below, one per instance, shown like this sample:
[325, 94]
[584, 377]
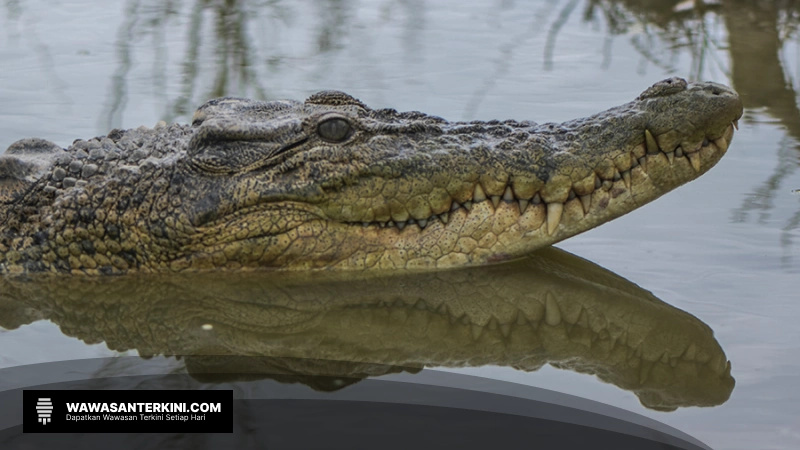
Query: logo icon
[44, 409]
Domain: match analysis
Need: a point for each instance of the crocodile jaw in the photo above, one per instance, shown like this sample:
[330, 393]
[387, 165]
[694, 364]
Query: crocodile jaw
[455, 208]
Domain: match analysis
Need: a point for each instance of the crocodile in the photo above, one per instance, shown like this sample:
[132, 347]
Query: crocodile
[330, 183]
[328, 330]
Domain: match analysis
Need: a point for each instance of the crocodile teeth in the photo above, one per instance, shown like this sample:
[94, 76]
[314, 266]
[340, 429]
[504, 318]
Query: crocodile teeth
[422, 223]
[401, 225]
[650, 141]
[627, 177]
[671, 157]
[736, 124]
[694, 158]
[679, 152]
[454, 206]
[536, 199]
[508, 195]
[444, 217]
[554, 212]
[643, 163]
[523, 205]
[467, 205]
[552, 315]
[690, 353]
[478, 195]
[586, 201]
[477, 331]
[722, 144]
[495, 200]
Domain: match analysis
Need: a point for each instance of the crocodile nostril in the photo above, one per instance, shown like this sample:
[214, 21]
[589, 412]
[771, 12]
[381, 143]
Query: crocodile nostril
[716, 91]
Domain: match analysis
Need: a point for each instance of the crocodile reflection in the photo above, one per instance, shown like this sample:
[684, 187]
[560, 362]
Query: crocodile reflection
[328, 330]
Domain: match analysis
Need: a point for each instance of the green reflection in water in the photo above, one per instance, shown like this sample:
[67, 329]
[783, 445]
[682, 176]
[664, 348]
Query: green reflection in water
[550, 308]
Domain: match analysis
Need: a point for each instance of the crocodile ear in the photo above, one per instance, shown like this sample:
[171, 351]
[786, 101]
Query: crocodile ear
[24, 163]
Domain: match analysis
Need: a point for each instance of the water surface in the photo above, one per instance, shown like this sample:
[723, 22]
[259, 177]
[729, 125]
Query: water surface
[721, 251]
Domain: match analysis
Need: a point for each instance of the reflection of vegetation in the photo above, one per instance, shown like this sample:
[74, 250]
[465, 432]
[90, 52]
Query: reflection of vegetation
[757, 33]
[233, 68]
[663, 31]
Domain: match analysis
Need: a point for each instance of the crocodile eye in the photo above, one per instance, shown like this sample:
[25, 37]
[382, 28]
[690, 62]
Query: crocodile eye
[334, 130]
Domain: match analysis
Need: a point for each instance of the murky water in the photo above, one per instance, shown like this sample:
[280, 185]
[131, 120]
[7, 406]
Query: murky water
[724, 248]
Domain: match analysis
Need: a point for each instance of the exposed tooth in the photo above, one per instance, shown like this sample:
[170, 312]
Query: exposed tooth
[495, 200]
[467, 205]
[597, 182]
[444, 217]
[571, 195]
[411, 221]
[508, 195]
[478, 195]
[617, 176]
[650, 141]
[390, 224]
[536, 199]
[705, 142]
[690, 353]
[552, 315]
[365, 224]
[523, 205]
[627, 177]
[401, 225]
[454, 206]
[505, 329]
[643, 163]
[694, 158]
[721, 143]
[586, 201]
[422, 223]
[477, 330]
[634, 163]
[679, 152]
[554, 212]
[736, 124]
[671, 157]
[607, 184]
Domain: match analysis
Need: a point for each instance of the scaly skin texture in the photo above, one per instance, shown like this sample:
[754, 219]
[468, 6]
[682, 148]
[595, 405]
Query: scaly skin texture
[548, 308]
[330, 183]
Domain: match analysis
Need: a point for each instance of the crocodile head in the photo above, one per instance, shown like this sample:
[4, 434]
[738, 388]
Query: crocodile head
[332, 183]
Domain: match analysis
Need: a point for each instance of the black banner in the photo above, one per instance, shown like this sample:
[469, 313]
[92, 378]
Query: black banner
[127, 411]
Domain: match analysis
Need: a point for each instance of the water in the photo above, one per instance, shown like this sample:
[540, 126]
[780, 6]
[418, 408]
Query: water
[723, 248]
